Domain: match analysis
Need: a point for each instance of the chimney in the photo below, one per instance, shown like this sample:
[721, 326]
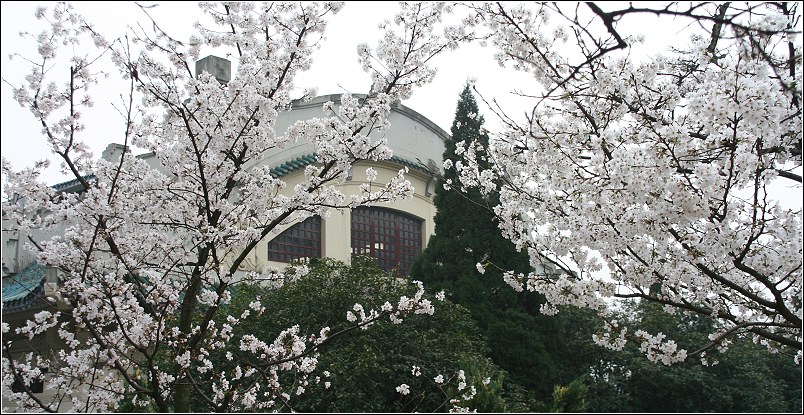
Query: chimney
[113, 152]
[220, 68]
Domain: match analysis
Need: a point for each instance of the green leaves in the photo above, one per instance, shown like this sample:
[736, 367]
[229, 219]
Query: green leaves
[746, 379]
[365, 366]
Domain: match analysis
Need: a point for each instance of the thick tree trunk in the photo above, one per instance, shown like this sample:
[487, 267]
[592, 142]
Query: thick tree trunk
[181, 395]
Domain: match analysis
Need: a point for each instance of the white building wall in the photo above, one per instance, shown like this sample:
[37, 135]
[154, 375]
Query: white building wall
[336, 228]
[411, 137]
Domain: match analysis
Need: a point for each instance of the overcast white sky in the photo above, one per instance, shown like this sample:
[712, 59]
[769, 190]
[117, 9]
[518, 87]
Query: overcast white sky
[335, 68]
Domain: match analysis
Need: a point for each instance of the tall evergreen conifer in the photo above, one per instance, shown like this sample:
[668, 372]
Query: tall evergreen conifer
[466, 233]
[465, 230]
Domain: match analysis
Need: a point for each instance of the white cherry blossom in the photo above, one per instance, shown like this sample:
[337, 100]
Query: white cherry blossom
[148, 253]
[660, 178]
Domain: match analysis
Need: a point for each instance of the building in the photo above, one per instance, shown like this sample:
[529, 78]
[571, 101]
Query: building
[392, 233]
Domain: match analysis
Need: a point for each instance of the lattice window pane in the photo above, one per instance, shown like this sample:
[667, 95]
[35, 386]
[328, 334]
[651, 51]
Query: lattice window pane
[302, 240]
[394, 238]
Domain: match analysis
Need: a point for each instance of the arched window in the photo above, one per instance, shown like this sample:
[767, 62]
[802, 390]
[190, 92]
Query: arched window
[392, 237]
[302, 240]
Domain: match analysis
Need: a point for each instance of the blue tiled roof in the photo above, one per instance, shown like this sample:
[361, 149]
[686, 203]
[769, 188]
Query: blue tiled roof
[70, 183]
[25, 289]
[290, 165]
[303, 161]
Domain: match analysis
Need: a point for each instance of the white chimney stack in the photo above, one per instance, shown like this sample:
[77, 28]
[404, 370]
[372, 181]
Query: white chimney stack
[220, 68]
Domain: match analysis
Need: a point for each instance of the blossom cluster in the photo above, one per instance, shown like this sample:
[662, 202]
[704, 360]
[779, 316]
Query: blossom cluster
[660, 178]
[148, 251]
[458, 394]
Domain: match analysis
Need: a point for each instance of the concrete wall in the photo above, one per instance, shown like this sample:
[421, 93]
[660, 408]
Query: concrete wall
[336, 228]
[411, 136]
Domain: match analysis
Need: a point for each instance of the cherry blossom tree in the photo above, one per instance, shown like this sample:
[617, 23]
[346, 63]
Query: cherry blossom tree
[148, 254]
[657, 178]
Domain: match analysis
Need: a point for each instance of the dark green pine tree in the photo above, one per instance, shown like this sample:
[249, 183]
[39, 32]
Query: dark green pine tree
[465, 229]
[466, 232]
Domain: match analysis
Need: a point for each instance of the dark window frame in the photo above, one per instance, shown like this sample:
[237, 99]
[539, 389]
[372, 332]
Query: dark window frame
[302, 240]
[392, 237]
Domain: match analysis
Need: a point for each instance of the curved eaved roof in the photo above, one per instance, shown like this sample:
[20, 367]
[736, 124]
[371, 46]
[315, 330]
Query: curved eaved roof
[25, 290]
[302, 161]
[396, 106]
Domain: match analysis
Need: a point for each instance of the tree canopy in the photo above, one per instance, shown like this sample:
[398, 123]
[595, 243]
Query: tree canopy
[653, 178]
[745, 379]
[149, 255]
[466, 241]
[365, 367]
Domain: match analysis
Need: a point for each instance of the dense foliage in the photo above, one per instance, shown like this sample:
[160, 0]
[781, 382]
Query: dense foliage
[364, 367]
[521, 339]
[653, 179]
[746, 379]
[660, 177]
